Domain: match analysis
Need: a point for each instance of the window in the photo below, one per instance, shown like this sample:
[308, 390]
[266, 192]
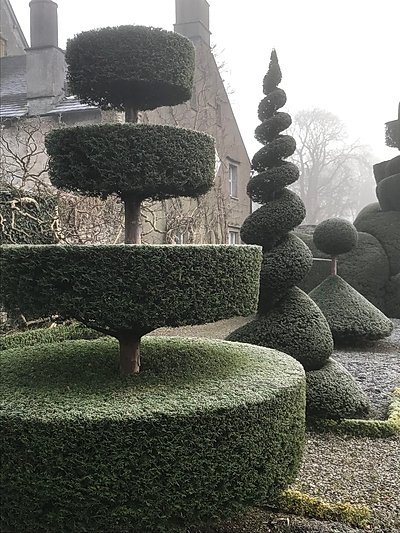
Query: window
[233, 236]
[233, 180]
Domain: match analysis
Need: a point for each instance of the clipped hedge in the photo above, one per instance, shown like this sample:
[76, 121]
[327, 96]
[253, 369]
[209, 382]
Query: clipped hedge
[131, 287]
[280, 147]
[335, 236]
[350, 316]
[300, 504]
[282, 267]
[295, 326]
[364, 428]
[47, 336]
[143, 66]
[271, 127]
[333, 393]
[384, 226]
[205, 430]
[388, 193]
[142, 160]
[271, 103]
[270, 222]
[393, 296]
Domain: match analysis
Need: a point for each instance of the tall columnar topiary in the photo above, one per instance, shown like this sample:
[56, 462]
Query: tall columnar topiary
[351, 317]
[287, 318]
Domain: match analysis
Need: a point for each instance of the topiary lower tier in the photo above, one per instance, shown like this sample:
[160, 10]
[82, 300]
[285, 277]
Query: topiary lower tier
[206, 429]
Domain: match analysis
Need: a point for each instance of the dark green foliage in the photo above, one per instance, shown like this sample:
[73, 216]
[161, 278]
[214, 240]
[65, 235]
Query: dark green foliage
[385, 226]
[274, 75]
[388, 193]
[365, 268]
[393, 297]
[392, 166]
[261, 186]
[380, 171]
[350, 316]
[47, 336]
[271, 127]
[195, 435]
[282, 267]
[333, 393]
[392, 133]
[147, 161]
[26, 218]
[294, 326]
[268, 224]
[130, 65]
[271, 103]
[281, 147]
[335, 236]
[125, 287]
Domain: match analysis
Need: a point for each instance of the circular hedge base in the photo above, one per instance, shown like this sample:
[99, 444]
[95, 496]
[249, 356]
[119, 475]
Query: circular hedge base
[207, 428]
[333, 393]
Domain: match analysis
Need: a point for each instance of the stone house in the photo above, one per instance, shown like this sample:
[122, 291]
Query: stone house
[34, 99]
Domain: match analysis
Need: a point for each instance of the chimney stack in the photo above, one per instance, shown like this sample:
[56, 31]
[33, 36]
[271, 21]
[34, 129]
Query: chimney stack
[45, 62]
[193, 20]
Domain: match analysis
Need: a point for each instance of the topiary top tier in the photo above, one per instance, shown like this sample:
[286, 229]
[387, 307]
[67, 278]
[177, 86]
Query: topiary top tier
[287, 318]
[135, 66]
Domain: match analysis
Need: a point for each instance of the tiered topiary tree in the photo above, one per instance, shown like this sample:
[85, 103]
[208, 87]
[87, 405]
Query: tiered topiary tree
[207, 427]
[287, 318]
[350, 316]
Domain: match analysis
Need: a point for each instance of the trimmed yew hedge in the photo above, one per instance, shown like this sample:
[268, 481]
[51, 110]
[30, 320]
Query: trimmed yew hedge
[142, 160]
[335, 236]
[131, 287]
[273, 179]
[205, 430]
[143, 66]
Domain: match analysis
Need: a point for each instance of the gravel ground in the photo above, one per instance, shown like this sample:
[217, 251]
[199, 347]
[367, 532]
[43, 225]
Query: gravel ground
[335, 468]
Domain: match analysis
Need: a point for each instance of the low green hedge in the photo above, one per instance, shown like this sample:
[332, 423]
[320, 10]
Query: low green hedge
[295, 326]
[350, 316]
[335, 236]
[147, 67]
[142, 160]
[47, 336]
[130, 287]
[270, 222]
[364, 428]
[281, 147]
[205, 430]
[332, 393]
[300, 504]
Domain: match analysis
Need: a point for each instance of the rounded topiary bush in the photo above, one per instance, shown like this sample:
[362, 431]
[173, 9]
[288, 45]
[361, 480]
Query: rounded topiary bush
[284, 329]
[335, 236]
[384, 226]
[195, 435]
[137, 65]
[350, 316]
[388, 193]
[332, 393]
[393, 296]
[150, 161]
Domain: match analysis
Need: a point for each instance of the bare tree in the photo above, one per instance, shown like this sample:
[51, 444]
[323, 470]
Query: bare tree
[333, 173]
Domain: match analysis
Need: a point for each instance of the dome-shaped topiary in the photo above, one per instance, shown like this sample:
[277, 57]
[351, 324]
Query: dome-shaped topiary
[335, 236]
[135, 66]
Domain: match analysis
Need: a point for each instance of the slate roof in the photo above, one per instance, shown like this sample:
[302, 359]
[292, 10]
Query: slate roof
[13, 99]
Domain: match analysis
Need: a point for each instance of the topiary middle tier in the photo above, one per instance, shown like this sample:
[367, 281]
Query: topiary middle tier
[129, 290]
[207, 428]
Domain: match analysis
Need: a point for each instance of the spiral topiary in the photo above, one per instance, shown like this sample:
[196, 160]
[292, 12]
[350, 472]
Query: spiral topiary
[286, 259]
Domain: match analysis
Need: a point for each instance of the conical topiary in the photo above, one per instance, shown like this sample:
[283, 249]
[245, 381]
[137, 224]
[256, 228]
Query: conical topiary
[288, 319]
[351, 317]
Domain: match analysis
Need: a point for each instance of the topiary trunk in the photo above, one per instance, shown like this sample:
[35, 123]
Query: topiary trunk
[129, 354]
